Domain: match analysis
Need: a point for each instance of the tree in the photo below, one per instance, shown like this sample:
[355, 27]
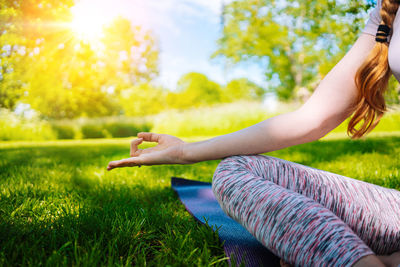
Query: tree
[22, 29]
[143, 99]
[195, 89]
[75, 78]
[44, 64]
[242, 89]
[130, 52]
[70, 81]
[296, 41]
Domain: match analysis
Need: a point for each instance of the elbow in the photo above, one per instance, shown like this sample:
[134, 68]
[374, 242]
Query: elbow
[316, 126]
[324, 125]
[321, 130]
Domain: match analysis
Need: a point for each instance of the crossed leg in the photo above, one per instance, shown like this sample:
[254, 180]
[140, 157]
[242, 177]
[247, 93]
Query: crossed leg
[306, 216]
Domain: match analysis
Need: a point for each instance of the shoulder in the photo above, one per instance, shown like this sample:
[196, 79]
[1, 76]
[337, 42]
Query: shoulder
[374, 20]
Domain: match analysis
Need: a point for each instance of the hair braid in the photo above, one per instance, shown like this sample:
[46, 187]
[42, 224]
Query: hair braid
[372, 80]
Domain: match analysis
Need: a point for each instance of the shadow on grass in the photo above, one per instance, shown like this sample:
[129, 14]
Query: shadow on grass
[53, 212]
[118, 226]
[330, 150]
[57, 214]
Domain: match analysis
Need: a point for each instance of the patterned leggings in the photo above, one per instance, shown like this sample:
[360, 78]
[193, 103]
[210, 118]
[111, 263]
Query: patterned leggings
[306, 216]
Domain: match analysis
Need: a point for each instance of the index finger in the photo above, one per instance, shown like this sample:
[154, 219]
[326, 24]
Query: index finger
[150, 137]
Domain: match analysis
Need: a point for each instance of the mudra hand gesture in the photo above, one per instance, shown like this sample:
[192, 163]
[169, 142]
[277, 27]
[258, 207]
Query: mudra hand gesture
[168, 151]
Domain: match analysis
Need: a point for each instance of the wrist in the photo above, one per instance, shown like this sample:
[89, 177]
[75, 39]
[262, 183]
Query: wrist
[186, 155]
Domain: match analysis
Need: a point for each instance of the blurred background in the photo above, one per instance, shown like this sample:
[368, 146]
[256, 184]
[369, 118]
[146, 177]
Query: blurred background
[108, 69]
[102, 69]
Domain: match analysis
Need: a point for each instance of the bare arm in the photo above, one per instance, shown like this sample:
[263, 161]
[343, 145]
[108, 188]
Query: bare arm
[325, 110]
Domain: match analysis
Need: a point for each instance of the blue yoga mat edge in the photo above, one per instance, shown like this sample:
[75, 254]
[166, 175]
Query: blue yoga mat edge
[237, 241]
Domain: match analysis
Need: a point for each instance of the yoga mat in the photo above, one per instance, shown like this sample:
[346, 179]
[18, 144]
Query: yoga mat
[239, 244]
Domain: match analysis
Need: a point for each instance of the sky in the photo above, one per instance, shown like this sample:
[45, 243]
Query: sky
[186, 31]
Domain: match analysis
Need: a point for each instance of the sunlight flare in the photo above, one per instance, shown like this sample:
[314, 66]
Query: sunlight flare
[88, 21]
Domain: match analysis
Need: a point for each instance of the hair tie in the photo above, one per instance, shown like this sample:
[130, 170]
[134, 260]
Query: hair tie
[382, 33]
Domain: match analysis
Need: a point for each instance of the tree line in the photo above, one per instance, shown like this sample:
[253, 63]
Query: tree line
[45, 66]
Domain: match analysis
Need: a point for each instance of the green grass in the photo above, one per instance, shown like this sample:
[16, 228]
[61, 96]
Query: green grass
[59, 205]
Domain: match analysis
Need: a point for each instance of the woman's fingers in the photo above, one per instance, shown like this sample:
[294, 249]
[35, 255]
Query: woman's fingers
[130, 162]
[153, 159]
[165, 156]
[134, 146]
[159, 154]
[150, 137]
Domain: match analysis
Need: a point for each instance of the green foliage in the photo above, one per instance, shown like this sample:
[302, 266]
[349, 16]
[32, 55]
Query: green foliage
[143, 99]
[13, 127]
[131, 53]
[24, 26]
[113, 127]
[64, 131]
[43, 63]
[207, 121]
[91, 77]
[393, 94]
[202, 121]
[10, 78]
[242, 90]
[21, 29]
[94, 131]
[194, 90]
[59, 206]
[71, 88]
[297, 41]
[125, 129]
[107, 127]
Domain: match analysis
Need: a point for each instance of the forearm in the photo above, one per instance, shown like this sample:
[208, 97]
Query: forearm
[272, 134]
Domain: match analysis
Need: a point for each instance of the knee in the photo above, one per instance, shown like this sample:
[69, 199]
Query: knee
[227, 167]
[230, 166]
[230, 172]
[224, 174]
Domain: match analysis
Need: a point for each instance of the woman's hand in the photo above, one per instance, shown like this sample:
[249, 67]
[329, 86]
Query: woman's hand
[168, 151]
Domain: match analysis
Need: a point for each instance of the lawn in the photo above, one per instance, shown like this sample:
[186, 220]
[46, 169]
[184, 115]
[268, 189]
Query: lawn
[59, 205]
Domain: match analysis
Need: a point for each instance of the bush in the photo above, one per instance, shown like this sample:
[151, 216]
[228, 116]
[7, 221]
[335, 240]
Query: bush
[94, 131]
[111, 127]
[14, 127]
[106, 127]
[65, 131]
[204, 121]
[125, 129]
[210, 121]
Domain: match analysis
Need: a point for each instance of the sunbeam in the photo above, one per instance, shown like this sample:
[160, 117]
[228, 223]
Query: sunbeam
[88, 21]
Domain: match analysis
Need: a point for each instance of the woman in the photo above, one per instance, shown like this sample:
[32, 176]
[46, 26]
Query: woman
[304, 215]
